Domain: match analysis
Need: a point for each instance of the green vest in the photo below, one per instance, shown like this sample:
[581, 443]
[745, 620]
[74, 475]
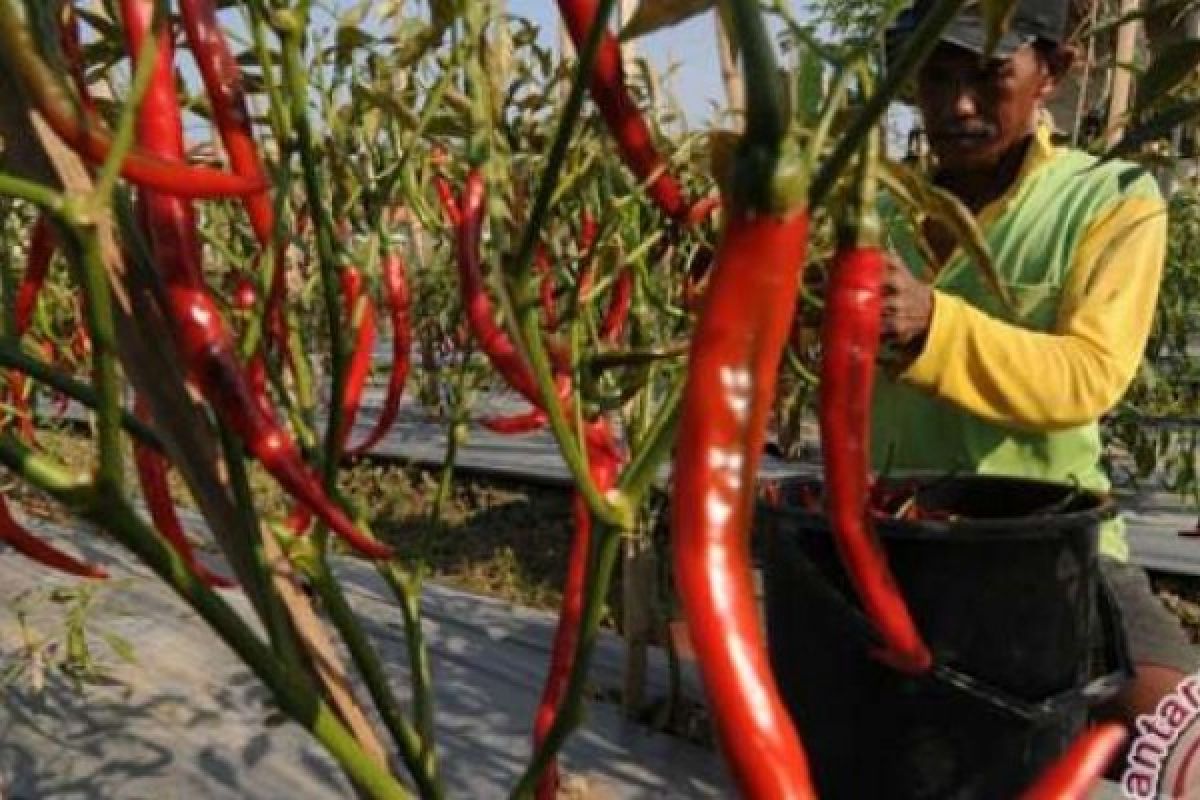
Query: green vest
[1034, 234]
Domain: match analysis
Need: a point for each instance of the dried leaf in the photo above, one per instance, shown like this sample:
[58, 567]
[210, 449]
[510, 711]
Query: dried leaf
[655, 15]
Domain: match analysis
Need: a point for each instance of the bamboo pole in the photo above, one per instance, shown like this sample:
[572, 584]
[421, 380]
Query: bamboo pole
[1122, 80]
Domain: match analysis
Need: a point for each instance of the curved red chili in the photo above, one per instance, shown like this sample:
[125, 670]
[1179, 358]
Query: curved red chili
[604, 462]
[621, 114]
[399, 300]
[16, 536]
[450, 207]
[42, 244]
[361, 316]
[527, 422]
[86, 133]
[205, 344]
[156, 489]
[226, 95]
[736, 349]
[619, 303]
[1075, 773]
[492, 339]
[850, 342]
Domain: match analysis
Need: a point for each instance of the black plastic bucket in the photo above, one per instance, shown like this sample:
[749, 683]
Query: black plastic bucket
[1008, 596]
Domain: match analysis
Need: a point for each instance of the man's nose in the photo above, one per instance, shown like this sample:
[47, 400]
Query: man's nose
[961, 98]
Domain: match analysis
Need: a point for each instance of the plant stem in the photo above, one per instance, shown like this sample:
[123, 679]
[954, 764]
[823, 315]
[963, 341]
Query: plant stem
[105, 505]
[407, 590]
[295, 77]
[418, 756]
[13, 357]
[562, 141]
[255, 563]
[83, 245]
[920, 44]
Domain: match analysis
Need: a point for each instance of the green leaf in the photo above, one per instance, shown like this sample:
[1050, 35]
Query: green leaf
[655, 15]
[120, 646]
[1170, 68]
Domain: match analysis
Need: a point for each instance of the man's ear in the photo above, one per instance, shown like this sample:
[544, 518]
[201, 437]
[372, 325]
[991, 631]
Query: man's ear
[1058, 65]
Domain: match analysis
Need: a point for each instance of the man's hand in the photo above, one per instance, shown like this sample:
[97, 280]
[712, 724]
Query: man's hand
[907, 305]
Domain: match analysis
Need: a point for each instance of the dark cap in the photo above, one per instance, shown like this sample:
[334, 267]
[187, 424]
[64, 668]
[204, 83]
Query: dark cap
[1031, 20]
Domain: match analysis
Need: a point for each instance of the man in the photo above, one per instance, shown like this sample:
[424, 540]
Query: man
[1080, 245]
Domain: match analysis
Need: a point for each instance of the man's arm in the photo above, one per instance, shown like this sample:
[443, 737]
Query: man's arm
[1046, 381]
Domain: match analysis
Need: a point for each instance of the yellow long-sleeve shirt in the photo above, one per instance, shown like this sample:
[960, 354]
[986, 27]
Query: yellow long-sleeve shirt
[1079, 245]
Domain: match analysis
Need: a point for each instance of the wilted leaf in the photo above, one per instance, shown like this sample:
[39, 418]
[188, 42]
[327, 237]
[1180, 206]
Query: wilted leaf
[654, 15]
[1160, 124]
[956, 217]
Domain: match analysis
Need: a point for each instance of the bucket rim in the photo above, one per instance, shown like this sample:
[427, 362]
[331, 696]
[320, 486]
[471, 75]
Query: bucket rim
[1028, 526]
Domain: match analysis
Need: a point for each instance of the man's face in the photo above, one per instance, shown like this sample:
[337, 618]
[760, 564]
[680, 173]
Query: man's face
[976, 111]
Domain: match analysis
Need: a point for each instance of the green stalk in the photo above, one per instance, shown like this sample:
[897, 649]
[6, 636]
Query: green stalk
[13, 357]
[570, 712]
[105, 505]
[407, 590]
[419, 756]
[106, 177]
[251, 553]
[654, 447]
[562, 141]
[290, 29]
[457, 417]
[920, 44]
[618, 515]
[83, 244]
[41, 196]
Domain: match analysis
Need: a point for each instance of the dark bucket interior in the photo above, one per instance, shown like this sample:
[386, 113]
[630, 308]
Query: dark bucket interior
[1002, 580]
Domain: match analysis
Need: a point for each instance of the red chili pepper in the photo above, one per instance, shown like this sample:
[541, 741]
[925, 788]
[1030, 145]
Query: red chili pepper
[702, 209]
[227, 97]
[450, 206]
[156, 489]
[528, 422]
[361, 315]
[42, 244]
[1074, 774]
[604, 460]
[399, 300]
[205, 344]
[244, 294]
[86, 133]
[588, 231]
[20, 539]
[736, 349]
[615, 317]
[621, 114]
[493, 341]
[850, 341]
